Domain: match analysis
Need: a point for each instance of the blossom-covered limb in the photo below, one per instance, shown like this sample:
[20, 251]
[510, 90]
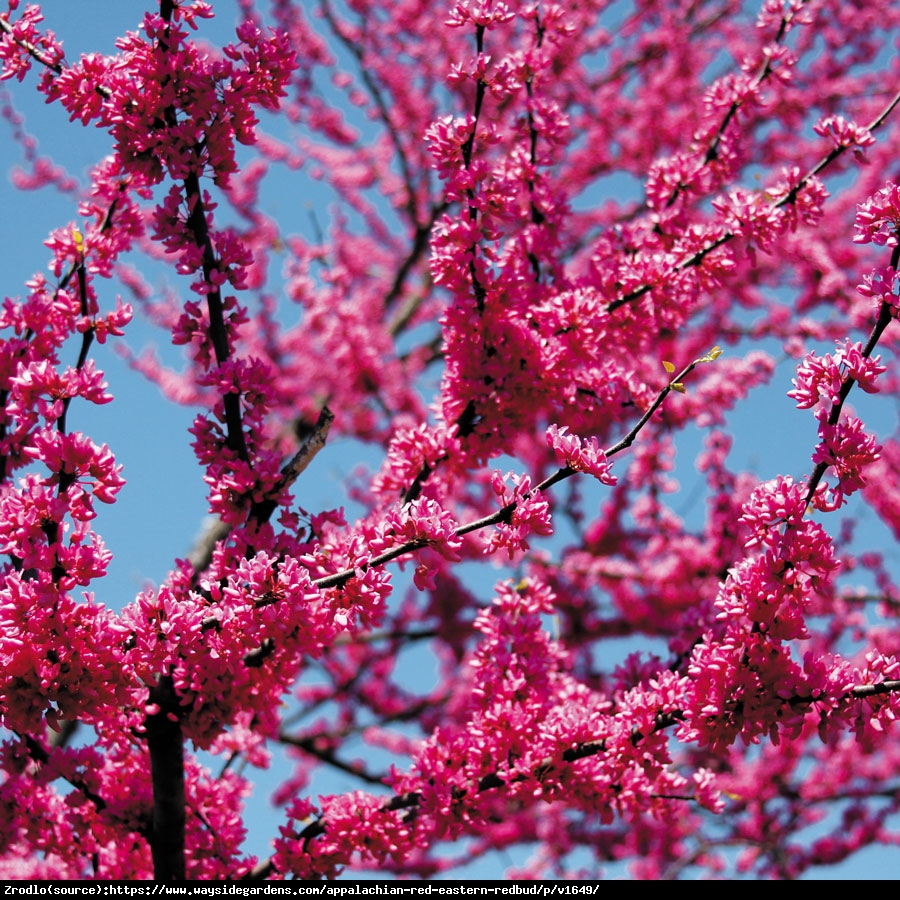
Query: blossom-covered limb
[886, 312]
[789, 197]
[505, 513]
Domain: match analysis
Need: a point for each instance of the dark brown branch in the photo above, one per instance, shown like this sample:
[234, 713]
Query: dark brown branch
[166, 745]
[218, 334]
[313, 443]
[35, 53]
[201, 553]
[766, 70]
[875, 690]
[42, 757]
[32, 49]
[419, 246]
[326, 755]
[165, 741]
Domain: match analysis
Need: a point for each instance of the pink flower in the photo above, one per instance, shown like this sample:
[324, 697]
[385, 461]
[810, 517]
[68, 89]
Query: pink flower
[845, 134]
[529, 512]
[878, 218]
[580, 456]
[823, 377]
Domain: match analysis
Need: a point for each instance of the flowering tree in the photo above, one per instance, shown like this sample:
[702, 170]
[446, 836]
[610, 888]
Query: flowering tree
[478, 292]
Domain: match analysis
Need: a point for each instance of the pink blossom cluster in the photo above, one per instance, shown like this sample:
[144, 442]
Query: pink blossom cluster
[878, 218]
[550, 752]
[847, 450]
[580, 456]
[235, 650]
[844, 133]
[821, 378]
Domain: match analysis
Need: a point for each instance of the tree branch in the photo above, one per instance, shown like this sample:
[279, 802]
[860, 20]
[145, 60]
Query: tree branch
[165, 743]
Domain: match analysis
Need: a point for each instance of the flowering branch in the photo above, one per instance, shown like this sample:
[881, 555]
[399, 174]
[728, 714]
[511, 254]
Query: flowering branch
[548, 768]
[886, 312]
[789, 197]
[505, 513]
